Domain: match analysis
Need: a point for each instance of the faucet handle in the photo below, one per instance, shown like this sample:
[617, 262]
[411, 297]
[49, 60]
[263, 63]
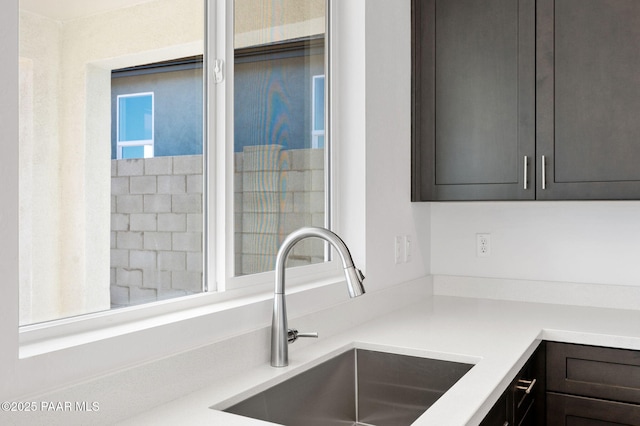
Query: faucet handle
[293, 335]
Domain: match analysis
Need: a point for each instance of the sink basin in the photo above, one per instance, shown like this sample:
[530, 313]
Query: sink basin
[357, 387]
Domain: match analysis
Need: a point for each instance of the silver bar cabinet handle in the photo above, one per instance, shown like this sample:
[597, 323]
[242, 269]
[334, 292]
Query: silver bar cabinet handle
[544, 173]
[525, 171]
[526, 385]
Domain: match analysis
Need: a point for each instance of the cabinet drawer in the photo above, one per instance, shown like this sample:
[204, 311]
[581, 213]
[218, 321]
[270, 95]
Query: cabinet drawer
[594, 371]
[567, 410]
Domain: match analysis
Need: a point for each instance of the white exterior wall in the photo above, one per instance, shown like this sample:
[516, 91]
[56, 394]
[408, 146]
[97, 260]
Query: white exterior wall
[259, 22]
[70, 170]
[92, 47]
[39, 172]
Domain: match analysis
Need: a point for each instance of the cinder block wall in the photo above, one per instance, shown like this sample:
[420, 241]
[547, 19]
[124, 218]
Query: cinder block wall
[156, 229]
[276, 192]
[156, 218]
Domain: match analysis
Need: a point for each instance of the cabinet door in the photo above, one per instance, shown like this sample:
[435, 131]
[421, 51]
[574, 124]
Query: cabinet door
[498, 414]
[566, 410]
[588, 98]
[473, 99]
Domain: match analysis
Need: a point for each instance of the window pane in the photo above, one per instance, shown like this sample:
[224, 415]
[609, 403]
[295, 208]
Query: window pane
[96, 231]
[318, 103]
[157, 252]
[133, 151]
[279, 169]
[135, 115]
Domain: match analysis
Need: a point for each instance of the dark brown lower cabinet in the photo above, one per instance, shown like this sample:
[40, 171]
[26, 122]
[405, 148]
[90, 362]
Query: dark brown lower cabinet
[523, 402]
[569, 410]
[575, 385]
[498, 414]
[592, 386]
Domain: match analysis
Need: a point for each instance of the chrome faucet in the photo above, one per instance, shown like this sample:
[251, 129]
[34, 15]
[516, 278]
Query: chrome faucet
[281, 336]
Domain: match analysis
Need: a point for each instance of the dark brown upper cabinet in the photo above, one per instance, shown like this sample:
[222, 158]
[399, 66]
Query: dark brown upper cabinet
[524, 100]
[588, 98]
[473, 99]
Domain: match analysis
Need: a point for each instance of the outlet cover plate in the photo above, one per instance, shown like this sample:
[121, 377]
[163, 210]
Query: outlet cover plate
[483, 245]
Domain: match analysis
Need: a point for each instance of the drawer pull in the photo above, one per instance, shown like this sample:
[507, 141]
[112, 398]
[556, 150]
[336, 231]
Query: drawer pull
[526, 385]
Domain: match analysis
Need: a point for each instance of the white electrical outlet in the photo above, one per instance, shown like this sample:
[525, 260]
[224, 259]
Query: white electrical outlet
[483, 245]
[398, 248]
[407, 248]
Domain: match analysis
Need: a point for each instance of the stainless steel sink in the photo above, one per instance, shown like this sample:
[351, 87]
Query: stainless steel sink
[357, 387]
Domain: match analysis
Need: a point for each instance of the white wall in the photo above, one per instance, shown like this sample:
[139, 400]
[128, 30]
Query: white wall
[389, 211]
[587, 242]
[372, 118]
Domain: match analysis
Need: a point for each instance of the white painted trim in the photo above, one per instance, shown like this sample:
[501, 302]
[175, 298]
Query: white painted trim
[220, 204]
[10, 368]
[39, 339]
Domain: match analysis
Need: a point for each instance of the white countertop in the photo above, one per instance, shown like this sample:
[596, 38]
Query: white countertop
[497, 336]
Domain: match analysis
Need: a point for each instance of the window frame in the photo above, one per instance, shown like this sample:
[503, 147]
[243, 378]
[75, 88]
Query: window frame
[147, 144]
[220, 282]
[220, 121]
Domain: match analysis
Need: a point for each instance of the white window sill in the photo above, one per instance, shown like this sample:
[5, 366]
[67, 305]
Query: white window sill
[187, 322]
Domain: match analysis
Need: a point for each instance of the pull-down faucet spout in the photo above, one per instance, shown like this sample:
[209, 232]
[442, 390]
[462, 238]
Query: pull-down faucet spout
[279, 329]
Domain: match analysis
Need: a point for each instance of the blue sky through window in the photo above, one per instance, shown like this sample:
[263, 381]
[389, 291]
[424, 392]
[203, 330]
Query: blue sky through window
[133, 151]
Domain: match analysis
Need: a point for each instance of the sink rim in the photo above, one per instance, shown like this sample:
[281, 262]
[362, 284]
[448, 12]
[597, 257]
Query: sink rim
[283, 374]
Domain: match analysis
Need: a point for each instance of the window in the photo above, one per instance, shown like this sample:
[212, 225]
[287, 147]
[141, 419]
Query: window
[157, 248]
[176, 86]
[59, 255]
[279, 165]
[149, 230]
[114, 217]
[135, 125]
